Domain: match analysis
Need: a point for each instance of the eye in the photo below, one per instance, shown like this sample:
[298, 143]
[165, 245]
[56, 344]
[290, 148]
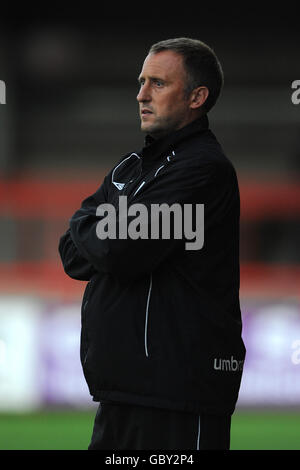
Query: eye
[158, 83]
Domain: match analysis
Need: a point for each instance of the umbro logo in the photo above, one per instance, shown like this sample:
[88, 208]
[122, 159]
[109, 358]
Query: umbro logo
[120, 186]
[230, 365]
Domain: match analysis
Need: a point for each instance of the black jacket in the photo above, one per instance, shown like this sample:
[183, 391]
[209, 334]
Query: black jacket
[161, 324]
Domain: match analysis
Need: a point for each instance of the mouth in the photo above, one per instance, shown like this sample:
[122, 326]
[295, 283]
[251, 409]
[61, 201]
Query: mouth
[145, 112]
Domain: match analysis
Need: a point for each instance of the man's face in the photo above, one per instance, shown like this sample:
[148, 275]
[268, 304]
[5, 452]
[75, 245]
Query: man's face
[163, 105]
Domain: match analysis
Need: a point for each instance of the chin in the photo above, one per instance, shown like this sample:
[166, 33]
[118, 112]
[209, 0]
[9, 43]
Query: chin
[144, 128]
[154, 131]
[147, 129]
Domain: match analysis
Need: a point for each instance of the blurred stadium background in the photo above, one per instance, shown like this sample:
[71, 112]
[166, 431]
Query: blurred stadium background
[70, 114]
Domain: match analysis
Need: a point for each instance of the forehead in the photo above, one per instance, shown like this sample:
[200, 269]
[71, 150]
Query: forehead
[164, 64]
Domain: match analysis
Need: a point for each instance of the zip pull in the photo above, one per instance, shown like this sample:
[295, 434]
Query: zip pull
[169, 156]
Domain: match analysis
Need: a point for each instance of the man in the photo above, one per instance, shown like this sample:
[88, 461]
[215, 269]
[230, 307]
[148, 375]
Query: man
[161, 345]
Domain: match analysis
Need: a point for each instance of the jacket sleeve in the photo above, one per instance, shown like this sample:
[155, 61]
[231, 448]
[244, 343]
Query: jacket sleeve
[131, 258]
[75, 265]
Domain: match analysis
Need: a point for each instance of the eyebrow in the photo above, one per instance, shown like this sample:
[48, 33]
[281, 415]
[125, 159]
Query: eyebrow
[151, 79]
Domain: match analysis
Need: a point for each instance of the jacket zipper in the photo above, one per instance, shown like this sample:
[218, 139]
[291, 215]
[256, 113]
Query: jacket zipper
[146, 316]
[124, 190]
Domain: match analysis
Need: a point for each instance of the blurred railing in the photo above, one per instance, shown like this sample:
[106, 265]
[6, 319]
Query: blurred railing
[39, 210]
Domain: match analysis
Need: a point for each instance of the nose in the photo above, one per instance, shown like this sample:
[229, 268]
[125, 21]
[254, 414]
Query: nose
[143, 95]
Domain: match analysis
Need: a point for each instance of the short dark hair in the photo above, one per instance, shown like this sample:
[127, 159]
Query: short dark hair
[201, 64]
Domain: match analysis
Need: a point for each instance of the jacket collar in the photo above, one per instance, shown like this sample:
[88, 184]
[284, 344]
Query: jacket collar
[154, 149]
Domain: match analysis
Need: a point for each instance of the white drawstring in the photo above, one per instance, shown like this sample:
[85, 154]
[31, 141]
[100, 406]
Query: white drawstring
[147, 312]
[198, 437]
[142, 184]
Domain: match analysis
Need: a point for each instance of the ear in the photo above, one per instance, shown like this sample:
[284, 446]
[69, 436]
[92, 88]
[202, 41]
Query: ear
[198, 97]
